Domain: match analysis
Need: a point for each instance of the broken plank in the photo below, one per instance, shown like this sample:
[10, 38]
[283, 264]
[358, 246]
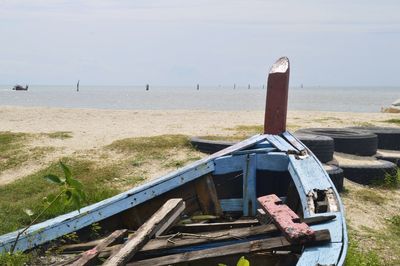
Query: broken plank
[184, 240]
[89, 257]
[262, 217]
[286, 220]
[146, 231]
[240, 248]
[207, 196]
[210, 227]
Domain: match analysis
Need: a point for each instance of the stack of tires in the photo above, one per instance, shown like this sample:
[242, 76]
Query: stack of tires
[323, 148]
[361, 154]
[209, 146]
[366, 154]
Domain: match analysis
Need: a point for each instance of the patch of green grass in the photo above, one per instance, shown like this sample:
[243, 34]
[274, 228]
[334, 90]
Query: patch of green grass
[364, 124]
[371, 247]
[393, 121]
[248, 129]
[100, 182]
[180, 163]
[15, 259]
[292, 127]
[394, 224]
[356, 257]
[391, 181]
[11, 149]
[370, 195]
[14, 150]
[223, 138]
[328, 119]
[154, 147]
[10, 141]
[60, 135]
[30, 192]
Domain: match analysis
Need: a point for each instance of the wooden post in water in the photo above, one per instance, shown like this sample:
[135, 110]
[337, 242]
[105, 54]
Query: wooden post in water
[147, 87]
[277, 97]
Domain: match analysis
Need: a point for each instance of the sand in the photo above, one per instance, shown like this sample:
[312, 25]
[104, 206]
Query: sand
[95, 128]
[92, 128]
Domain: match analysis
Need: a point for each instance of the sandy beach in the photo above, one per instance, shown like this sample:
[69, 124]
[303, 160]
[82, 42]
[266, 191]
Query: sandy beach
[92, 128]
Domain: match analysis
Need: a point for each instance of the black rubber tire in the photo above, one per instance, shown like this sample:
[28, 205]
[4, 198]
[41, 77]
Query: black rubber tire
[336, 175]
[210, 146]
[368, 174]
[388, 137]
[321, 146]
[348, 140]
[389, 155]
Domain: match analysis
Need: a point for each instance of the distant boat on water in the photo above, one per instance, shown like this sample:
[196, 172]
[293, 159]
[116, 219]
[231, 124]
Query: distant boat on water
[20, 88]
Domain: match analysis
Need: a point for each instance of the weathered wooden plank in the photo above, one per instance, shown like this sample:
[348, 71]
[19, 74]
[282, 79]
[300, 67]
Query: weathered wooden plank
[146, 232]
[228, 164]
[277, 142]
[277, 97]
[185, 240]
[210, 227]
[293, 141]
[315, 220]
[286, 220]
[89, 257]
[231, 205]
[207, 196]
[240, 248]
[273, 161]
[249, 186]
[257, 150]
[334, 226]
[135, 217]
[308, 176]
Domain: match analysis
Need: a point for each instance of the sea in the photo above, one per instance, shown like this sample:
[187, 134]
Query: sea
[218, 98]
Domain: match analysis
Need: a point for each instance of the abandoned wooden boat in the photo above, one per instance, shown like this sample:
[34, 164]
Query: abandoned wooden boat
[272, 177]
[20, 88]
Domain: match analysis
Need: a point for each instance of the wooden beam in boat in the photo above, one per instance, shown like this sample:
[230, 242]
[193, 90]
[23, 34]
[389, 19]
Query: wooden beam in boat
[207, 196]
[265, 218]
[189, 239]
[160, 220]
[286, 220]
[249, 185]
[277, 97]
[240, 248]
[210, 227]
[90, 256]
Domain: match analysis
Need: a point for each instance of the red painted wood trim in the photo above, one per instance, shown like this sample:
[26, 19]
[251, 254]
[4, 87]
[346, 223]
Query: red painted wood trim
[277, 97]
[286, 220]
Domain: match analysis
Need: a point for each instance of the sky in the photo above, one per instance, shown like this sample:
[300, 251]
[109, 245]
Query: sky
[133, 42]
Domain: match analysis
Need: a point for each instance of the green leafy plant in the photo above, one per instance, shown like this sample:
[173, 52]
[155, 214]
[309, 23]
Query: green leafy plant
[70, 188]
